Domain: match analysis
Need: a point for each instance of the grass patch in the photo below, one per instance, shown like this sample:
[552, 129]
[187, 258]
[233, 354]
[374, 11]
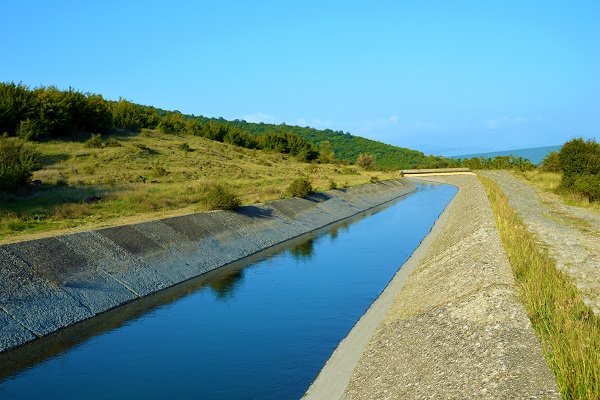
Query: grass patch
[149, 175]
[550, 182]
[568, 330]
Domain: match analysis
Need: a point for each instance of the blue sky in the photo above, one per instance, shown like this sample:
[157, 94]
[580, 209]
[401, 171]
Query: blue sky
[443, 77]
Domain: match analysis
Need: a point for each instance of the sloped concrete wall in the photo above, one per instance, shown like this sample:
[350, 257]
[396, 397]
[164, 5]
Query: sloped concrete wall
[51, 283]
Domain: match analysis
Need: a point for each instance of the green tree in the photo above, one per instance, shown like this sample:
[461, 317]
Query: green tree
[367, 161]
[172, 123]
[578, 157]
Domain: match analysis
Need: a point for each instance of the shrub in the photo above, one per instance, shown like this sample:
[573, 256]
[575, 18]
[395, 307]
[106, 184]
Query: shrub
[18, 160]
[332, 184]
[184, 147]
[159, 170]
[551, 162]
[579, 157]
[374, 179]
[221, 197]
[112, 142]
[95, 142]
[579, 162]
[300, 187]
[589, 186]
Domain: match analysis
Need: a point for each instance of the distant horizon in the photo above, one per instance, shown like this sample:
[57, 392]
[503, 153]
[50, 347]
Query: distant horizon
[534, 154]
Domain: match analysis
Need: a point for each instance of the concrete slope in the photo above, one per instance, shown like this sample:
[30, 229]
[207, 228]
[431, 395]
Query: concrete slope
[450, 325]
[51, 283]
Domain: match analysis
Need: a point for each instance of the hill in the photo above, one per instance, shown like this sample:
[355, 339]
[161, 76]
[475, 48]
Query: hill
[126, 177]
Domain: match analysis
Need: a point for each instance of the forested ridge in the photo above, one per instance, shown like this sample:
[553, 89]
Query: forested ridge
[47, 112]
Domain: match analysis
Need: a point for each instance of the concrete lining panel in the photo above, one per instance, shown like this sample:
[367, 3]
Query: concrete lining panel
[183, 251]
[12, 333]
[32, 300]
[122, 266]
[149, 252]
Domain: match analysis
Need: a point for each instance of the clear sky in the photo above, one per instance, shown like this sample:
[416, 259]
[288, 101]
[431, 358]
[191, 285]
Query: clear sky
[443, 77]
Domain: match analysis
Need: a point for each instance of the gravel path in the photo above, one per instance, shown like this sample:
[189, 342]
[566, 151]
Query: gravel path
[571, 234]
[455, 327]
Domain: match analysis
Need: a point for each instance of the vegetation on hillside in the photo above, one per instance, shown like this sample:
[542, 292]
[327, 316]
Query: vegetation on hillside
[48, 112]
[84, 183]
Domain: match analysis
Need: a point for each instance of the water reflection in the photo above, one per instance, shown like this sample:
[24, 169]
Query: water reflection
[303, 251]
[225, 286]
[335, 229]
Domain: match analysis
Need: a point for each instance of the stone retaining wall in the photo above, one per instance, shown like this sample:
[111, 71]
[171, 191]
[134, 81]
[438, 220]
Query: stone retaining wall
[51, 283]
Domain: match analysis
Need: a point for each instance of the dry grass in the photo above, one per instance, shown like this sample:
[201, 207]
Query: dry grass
[567, 328]
[148, 177]
[550, 182]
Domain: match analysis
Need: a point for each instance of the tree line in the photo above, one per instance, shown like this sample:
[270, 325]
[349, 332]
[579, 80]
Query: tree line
[47, 112]
[499, 162]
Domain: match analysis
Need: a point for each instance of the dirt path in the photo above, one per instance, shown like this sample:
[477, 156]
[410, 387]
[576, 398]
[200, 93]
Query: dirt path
[571, 234]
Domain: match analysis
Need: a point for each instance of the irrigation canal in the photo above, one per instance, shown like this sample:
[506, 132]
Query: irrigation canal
[259, 328]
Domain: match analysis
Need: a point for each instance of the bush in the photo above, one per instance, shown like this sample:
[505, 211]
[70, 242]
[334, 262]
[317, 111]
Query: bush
[332, 184]
[589, 186]
[184, 147]
[579, 162]
[18, 160]
[95, 142]
[112, 142]
[551, 162]
[221, 197]
[579, 157]
[300, 187]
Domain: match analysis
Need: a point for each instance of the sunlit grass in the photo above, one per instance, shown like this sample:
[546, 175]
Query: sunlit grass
[149, 176]
[567, 328]
[550, 182]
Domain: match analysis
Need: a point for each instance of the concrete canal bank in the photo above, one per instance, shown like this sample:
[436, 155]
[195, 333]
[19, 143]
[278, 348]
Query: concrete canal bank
[450, 323]
[51, 283]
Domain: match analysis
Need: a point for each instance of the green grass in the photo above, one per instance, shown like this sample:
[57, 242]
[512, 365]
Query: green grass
[146, 176]
[568, 330]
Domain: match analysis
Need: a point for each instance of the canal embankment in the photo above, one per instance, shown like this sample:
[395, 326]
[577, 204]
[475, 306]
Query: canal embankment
[450, 323]
[52, 283]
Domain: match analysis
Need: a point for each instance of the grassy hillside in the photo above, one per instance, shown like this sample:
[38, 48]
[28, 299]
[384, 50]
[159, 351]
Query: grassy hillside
[139, 176]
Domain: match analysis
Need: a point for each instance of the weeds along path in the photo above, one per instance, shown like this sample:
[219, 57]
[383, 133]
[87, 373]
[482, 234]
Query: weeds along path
[571, 234]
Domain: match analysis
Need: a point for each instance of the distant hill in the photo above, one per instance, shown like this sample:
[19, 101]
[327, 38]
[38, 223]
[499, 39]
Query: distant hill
[534, 154]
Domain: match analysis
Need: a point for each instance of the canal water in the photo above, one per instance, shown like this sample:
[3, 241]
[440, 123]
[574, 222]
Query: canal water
[258, 329]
